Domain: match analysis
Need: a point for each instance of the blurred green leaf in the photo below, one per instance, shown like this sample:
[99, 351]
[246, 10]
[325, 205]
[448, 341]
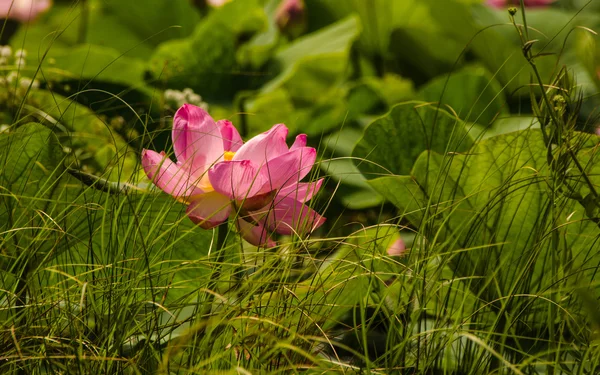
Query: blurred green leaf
[379, 18]
[94, 63]
[258, 50]
[495, 42]
[472, 93]
[356, 194]
[392, 143]
[511, 124]
[90, 140]
[127, 26]
[108, 54]
[405, 193]
[155, 20]
[392, 88]
[342, 142]
[269, 109]
[353, 192]
[206, 60]
[316, 62]
[423, 53]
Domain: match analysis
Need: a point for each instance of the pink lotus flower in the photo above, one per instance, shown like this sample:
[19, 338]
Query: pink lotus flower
[23, 10]
[397, 248]
[529, 3]
[217, 3]
[290, 13]
[218, 176]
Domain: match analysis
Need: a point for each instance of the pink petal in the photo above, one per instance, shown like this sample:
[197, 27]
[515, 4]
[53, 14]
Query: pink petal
[23, 10]
[256, 202]
[265, 146]
[497, 3]
[302, 192]
[232, 141]
[538, 3]
[529, 3]
[197, 139]
[168, 176]
[299, 142]
[209, 210]
[217, 3]
[238, 180]
[397, 248]
[290, 216]
[289, 168]
[289, 11]
[256, 235]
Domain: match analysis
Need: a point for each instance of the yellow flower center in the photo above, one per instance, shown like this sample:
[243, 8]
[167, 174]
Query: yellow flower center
[228, 156]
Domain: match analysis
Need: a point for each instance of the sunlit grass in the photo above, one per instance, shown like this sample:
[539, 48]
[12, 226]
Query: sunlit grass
[102, 274]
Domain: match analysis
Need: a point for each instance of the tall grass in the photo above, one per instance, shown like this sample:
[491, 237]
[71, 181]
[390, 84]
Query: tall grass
[102, 277]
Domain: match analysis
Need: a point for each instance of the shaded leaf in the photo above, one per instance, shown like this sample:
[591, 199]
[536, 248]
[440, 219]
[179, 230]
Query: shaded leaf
[206, 60]
[472, 93]
[494, 203]
[392, 143]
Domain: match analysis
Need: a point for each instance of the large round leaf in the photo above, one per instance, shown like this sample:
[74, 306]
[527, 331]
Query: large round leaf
[392, 143]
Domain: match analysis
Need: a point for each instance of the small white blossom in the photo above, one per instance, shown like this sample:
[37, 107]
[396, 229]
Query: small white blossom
[175, 99]
[20, 54]
[194, 98]
[20, 62]
[26, 82]
[4, 128]
[217, 3]
[171, 95]
[12, 77]
[5, 51]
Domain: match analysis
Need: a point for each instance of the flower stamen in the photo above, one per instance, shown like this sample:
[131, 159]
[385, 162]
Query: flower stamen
[228, 156]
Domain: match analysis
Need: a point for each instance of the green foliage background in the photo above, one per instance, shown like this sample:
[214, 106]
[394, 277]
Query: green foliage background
[446, 124]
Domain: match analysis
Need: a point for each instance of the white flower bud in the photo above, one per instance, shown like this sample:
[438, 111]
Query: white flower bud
[20, 54]
[12, 77]
[20, 62]
[194, 99]
[25, 82]
[5, 51]
[169, 94]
